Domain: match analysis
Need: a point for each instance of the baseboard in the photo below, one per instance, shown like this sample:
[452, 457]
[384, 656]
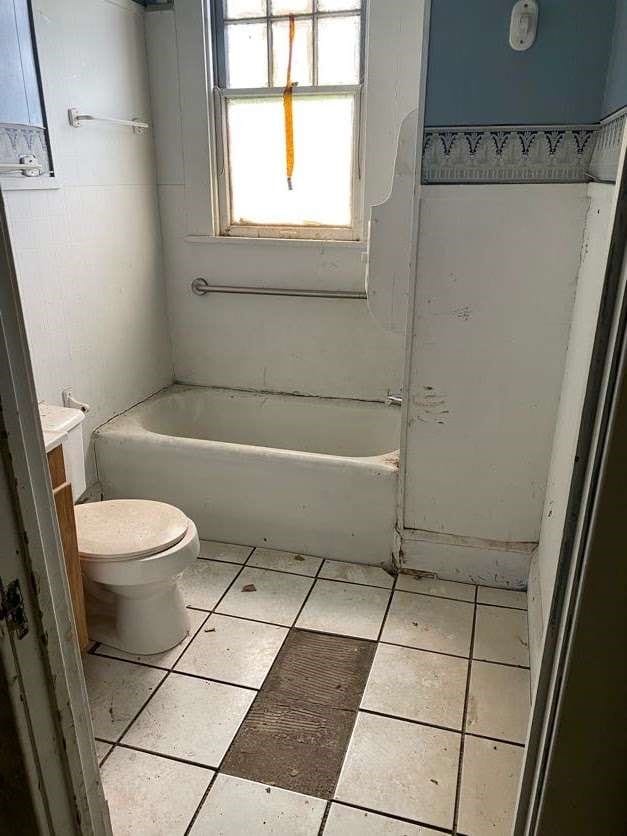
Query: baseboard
[467, 559]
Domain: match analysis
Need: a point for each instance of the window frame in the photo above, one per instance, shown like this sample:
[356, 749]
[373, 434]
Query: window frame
[219, 94]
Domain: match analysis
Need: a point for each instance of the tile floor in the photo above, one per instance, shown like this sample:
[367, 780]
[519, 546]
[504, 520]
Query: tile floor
[437, 744]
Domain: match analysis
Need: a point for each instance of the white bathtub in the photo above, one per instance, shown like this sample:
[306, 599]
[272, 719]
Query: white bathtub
[311, 475]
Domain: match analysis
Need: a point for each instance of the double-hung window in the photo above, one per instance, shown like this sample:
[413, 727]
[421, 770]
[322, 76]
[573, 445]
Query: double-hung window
[288, 76]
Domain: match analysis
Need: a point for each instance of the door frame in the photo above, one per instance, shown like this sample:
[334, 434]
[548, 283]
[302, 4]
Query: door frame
[43, 668]
[555, 741]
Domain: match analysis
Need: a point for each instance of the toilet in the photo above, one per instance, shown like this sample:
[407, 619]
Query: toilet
[132, 553]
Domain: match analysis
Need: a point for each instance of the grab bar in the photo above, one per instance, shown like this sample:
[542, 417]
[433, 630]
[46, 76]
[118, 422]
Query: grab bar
[201, 287]
[29, 165]
[75, 118]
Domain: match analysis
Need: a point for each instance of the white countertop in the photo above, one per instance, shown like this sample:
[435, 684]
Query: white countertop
[52, 439]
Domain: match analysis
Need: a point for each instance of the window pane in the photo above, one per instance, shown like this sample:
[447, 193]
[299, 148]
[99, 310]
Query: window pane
[301, 56]
[338, 50]
[323, 145]
[245, 8]
[286, 7]
[246, 55]
[338, 5]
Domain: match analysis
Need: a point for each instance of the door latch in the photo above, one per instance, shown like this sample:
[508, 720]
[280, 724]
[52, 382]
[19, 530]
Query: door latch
[12, 608]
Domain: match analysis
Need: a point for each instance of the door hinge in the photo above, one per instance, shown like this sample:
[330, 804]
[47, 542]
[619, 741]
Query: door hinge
[12, 608]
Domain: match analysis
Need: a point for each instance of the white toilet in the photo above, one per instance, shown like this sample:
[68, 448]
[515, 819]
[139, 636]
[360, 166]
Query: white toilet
[132, 553]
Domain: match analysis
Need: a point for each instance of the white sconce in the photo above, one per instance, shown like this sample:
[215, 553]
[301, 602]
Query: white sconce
[523, 25]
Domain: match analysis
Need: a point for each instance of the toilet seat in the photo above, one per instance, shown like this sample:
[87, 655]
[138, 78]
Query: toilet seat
[128, 529]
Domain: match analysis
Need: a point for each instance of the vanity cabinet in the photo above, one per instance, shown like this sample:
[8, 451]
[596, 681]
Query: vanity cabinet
[64, 503]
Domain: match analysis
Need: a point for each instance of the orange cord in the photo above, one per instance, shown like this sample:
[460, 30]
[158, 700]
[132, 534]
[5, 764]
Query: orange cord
[288, 109]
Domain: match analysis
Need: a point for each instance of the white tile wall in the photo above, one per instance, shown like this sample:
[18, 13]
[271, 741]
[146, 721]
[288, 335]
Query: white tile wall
[88, 253]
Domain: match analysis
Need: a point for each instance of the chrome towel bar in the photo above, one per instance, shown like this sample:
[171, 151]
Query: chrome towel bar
[201, 287]
[75, 118]
[29, 165]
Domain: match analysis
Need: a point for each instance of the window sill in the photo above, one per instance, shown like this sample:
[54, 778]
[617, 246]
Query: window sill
[13, 184]
[297, 243]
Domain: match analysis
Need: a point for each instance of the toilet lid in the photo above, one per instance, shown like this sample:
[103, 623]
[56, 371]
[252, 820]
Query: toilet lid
[124, 528]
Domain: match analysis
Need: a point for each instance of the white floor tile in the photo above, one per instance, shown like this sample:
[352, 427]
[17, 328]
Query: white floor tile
[235, 807]
[429, 623]
[502, 597]
[417, 685]
[159, 660]
[501, 636]
[149, 795]
[277, 597]
[211, 550]
[117, 690]
[498, 701]
[204, 583]
[233, 650]
[348, 821]
[102, 749]
[489, 786]
[345, 608]
[191, 718]
[401, 768]
[434, 586]
[336, 570]
[300, 564]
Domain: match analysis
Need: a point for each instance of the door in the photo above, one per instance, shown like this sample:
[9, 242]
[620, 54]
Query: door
[45, 692]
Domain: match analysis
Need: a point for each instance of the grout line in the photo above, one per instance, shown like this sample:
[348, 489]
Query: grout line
[410, 720]
[202, 801]
[439, 597]
[438, 726]
[385, 615]
[325, 816]
[436, 828]
[316, 575]
[464, 716]
[164, 755]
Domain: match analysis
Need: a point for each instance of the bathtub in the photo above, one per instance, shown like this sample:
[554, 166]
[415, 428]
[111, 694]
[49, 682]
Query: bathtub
[301, 474]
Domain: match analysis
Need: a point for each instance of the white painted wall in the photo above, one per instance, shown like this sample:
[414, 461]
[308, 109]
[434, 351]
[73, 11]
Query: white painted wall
[497, 271]
[88, 252]
[313, 346]
[582, 332]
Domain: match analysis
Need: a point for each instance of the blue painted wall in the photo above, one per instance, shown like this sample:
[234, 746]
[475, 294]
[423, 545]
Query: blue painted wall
[475, 77]
[616, 87]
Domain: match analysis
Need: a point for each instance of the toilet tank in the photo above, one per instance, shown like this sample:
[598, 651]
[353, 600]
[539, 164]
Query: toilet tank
[62, 419]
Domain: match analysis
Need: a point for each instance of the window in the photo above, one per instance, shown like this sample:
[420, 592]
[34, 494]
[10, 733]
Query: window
[287, 117]
[23, 132]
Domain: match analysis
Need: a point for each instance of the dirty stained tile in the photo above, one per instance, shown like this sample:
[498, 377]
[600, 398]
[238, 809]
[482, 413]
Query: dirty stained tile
[417, 685]
[428, 623]
[349, 821]
[205, 581]
[434, 586]
[345, 608]
[299, 564]
[235, 806]
[336, 570]
[502, 597]
[275, 597]
[498, 701]
[159, 660]
[151, 795]
[501, 635]
[233, 650]
[191, 718]
[211, 550]
[416, 770]
[489, 786]
[116, 690]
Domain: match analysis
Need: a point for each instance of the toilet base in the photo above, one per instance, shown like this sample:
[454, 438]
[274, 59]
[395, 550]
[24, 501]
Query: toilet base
[140, 620]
